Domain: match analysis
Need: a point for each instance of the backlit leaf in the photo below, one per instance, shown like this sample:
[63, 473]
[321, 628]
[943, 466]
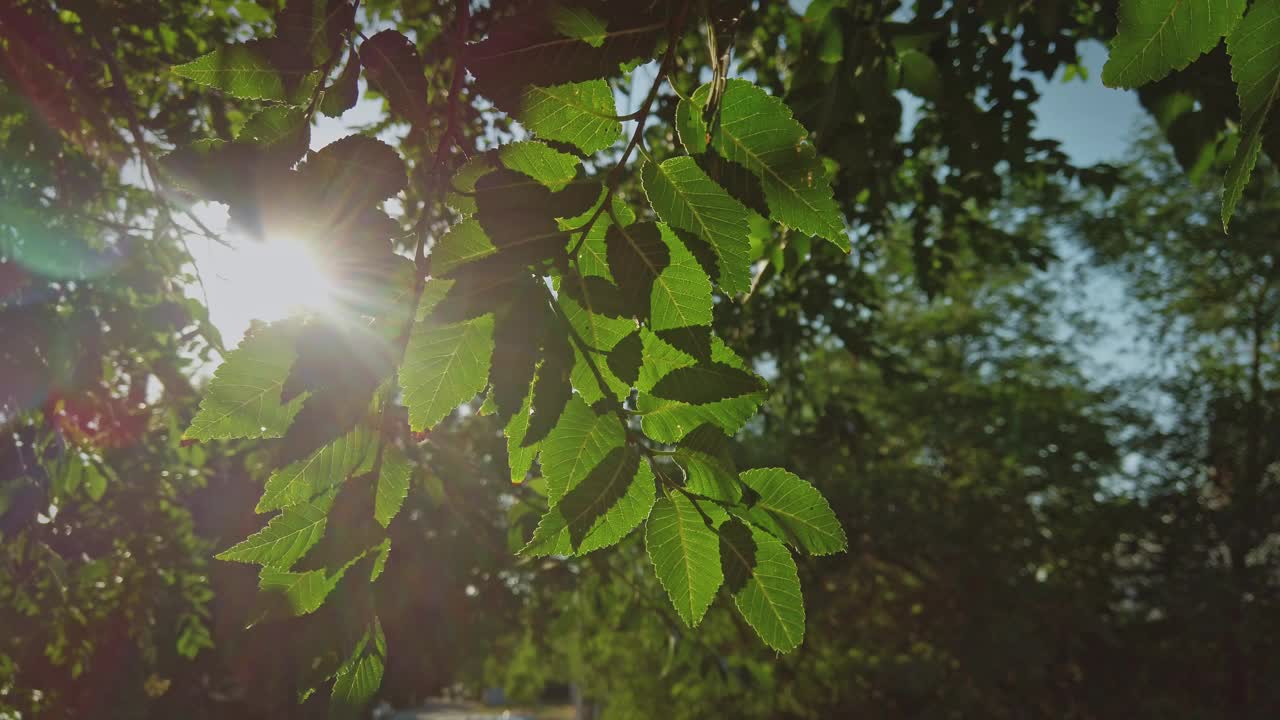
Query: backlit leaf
[540, 162]
[360, 676]
[610, 502]
[757, 131]
[301, 592]
[685, 553]
[794, 511]
[287, 537]
[579, 441]
[317, 473]
[578, 23]
[581, 114]
[706, 383]
[463, 243]
[343, 94]
[246, 70]
[708, 465]
[684, 197]
[445, 367]
[243, 398]
[393, 485]
[761, 575]
[682, 292]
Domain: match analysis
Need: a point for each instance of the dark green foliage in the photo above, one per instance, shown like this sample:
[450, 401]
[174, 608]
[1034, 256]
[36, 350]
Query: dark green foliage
[602, 306]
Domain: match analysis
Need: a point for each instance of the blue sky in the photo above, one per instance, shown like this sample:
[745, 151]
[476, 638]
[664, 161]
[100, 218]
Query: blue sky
[1094, 123]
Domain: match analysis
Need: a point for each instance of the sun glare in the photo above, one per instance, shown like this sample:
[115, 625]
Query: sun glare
[267, 281]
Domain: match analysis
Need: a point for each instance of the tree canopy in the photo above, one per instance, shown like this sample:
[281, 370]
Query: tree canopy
[674, 348]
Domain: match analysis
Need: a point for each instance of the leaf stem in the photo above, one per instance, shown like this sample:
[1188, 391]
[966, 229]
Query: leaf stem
[421, 260]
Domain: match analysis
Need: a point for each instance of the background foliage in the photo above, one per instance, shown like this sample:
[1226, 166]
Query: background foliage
[820, 239]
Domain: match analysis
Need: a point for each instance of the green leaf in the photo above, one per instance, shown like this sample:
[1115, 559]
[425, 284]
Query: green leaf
[360, 676]
[393, 68]
[519, 457]
[287, 537]
[685, 553]
[445, 367]
[577, 444]
[354, 171]
[581, 114]
[682, 292]
[302, 592]
[584, 381]
[548, 166]
[625, 359]
[597, 330]
[691, 126]
[319, 471]
[918, 74]
[706, 383]
[245, 70]
[578, 23]
[685, 198]
[528, 48]
[708, 464]
[637, 256]
[761, 575]
[668, 421]
[393, 485]
[1154, 37]
[463, 243]
[344, 93]
[795, 511]
[552, 388]
[611, 501]
[1255, 67]
[757, 131]
[658, 358]
[243, 398]
[464, 182]
[276, 124]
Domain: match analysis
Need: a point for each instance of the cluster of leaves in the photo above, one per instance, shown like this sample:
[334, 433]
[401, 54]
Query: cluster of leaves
[1157, 37]
[587, 319]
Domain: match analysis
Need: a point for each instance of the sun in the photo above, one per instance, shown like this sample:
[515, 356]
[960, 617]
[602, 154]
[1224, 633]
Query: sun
[266, 280]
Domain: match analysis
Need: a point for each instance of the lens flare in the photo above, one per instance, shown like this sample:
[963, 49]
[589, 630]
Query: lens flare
[268, 280]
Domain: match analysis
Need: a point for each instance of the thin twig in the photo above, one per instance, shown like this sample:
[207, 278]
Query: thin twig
[614, 178]
[421, 260]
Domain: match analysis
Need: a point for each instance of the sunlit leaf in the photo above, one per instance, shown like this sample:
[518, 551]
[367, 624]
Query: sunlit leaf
[329, 466]
[445, 367]
[393, 485]
[287, 537]
[246, 70]
[684, 197]
[581, 114]
[540, 162]
[685, 553]
[761, 575]
[794, 511]
[579, 441]
[611, 501]
[757, 131]
[243, 398]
